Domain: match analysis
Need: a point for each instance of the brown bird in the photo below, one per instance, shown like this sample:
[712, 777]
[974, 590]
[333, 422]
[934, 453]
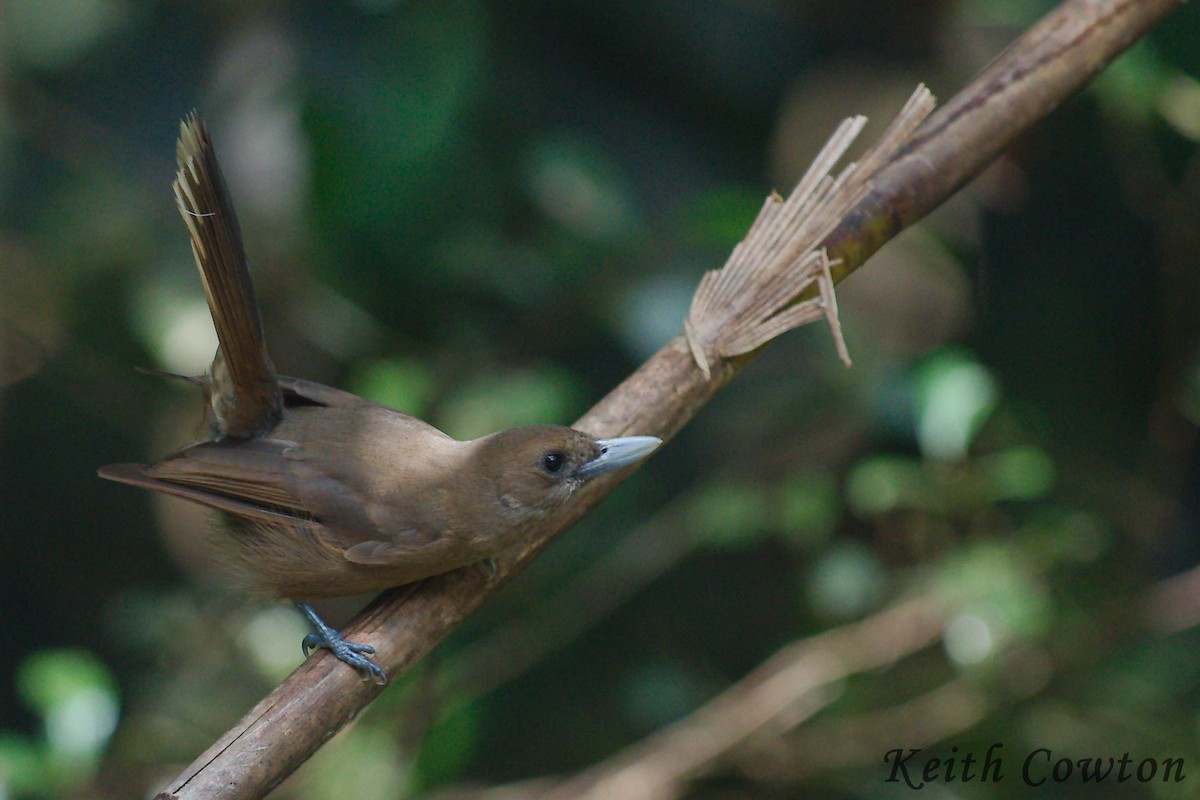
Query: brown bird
[329, 494]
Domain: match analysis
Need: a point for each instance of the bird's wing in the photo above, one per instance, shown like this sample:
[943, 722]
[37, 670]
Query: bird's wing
[377, 552]
[268, 480]
[247, 479]
[257, 482]
[139, 475]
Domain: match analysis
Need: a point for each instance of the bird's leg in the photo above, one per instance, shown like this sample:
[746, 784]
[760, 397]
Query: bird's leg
[353, 654]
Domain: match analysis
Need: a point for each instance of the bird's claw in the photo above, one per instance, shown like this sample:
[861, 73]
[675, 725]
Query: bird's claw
[351, 653]
[314, 641]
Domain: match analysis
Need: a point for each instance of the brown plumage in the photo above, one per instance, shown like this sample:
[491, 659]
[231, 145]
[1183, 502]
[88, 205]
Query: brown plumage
[331, 494]
[395, 501]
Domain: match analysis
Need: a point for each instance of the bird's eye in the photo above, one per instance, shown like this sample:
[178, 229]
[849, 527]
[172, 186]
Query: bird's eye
[553, 462]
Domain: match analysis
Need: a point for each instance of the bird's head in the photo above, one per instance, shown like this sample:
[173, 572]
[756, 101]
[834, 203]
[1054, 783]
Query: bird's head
[535, 468]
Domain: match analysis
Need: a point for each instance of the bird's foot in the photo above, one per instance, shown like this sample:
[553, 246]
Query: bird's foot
[350, 653]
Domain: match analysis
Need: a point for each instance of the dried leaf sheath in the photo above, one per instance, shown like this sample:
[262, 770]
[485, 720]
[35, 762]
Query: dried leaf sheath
[752, 299]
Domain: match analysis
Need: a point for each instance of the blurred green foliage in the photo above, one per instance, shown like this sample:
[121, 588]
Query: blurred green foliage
[488, 213]
[74, 697]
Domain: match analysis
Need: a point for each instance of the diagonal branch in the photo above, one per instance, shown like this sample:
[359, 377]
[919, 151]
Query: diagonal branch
[1033, 76]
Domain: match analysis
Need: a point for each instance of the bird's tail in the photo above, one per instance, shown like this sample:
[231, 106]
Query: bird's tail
[244, 397]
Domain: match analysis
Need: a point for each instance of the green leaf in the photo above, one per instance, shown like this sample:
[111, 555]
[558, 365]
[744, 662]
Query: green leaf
[403, 384]
[22, 767]
[76, 697]
[729, 514]
[955, 394]
[990, 586]
[846, 581]
[719, 218]
[363, 763]
[449, 745]
[522, 397]
[807, 509]
[578, 185]
[1018, 473]
[883, 483]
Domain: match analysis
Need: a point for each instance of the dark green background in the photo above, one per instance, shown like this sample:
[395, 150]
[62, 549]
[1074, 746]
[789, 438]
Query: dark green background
[489, 213]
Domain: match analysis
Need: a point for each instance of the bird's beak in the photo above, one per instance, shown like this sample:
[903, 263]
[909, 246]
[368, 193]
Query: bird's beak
[617, 453]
